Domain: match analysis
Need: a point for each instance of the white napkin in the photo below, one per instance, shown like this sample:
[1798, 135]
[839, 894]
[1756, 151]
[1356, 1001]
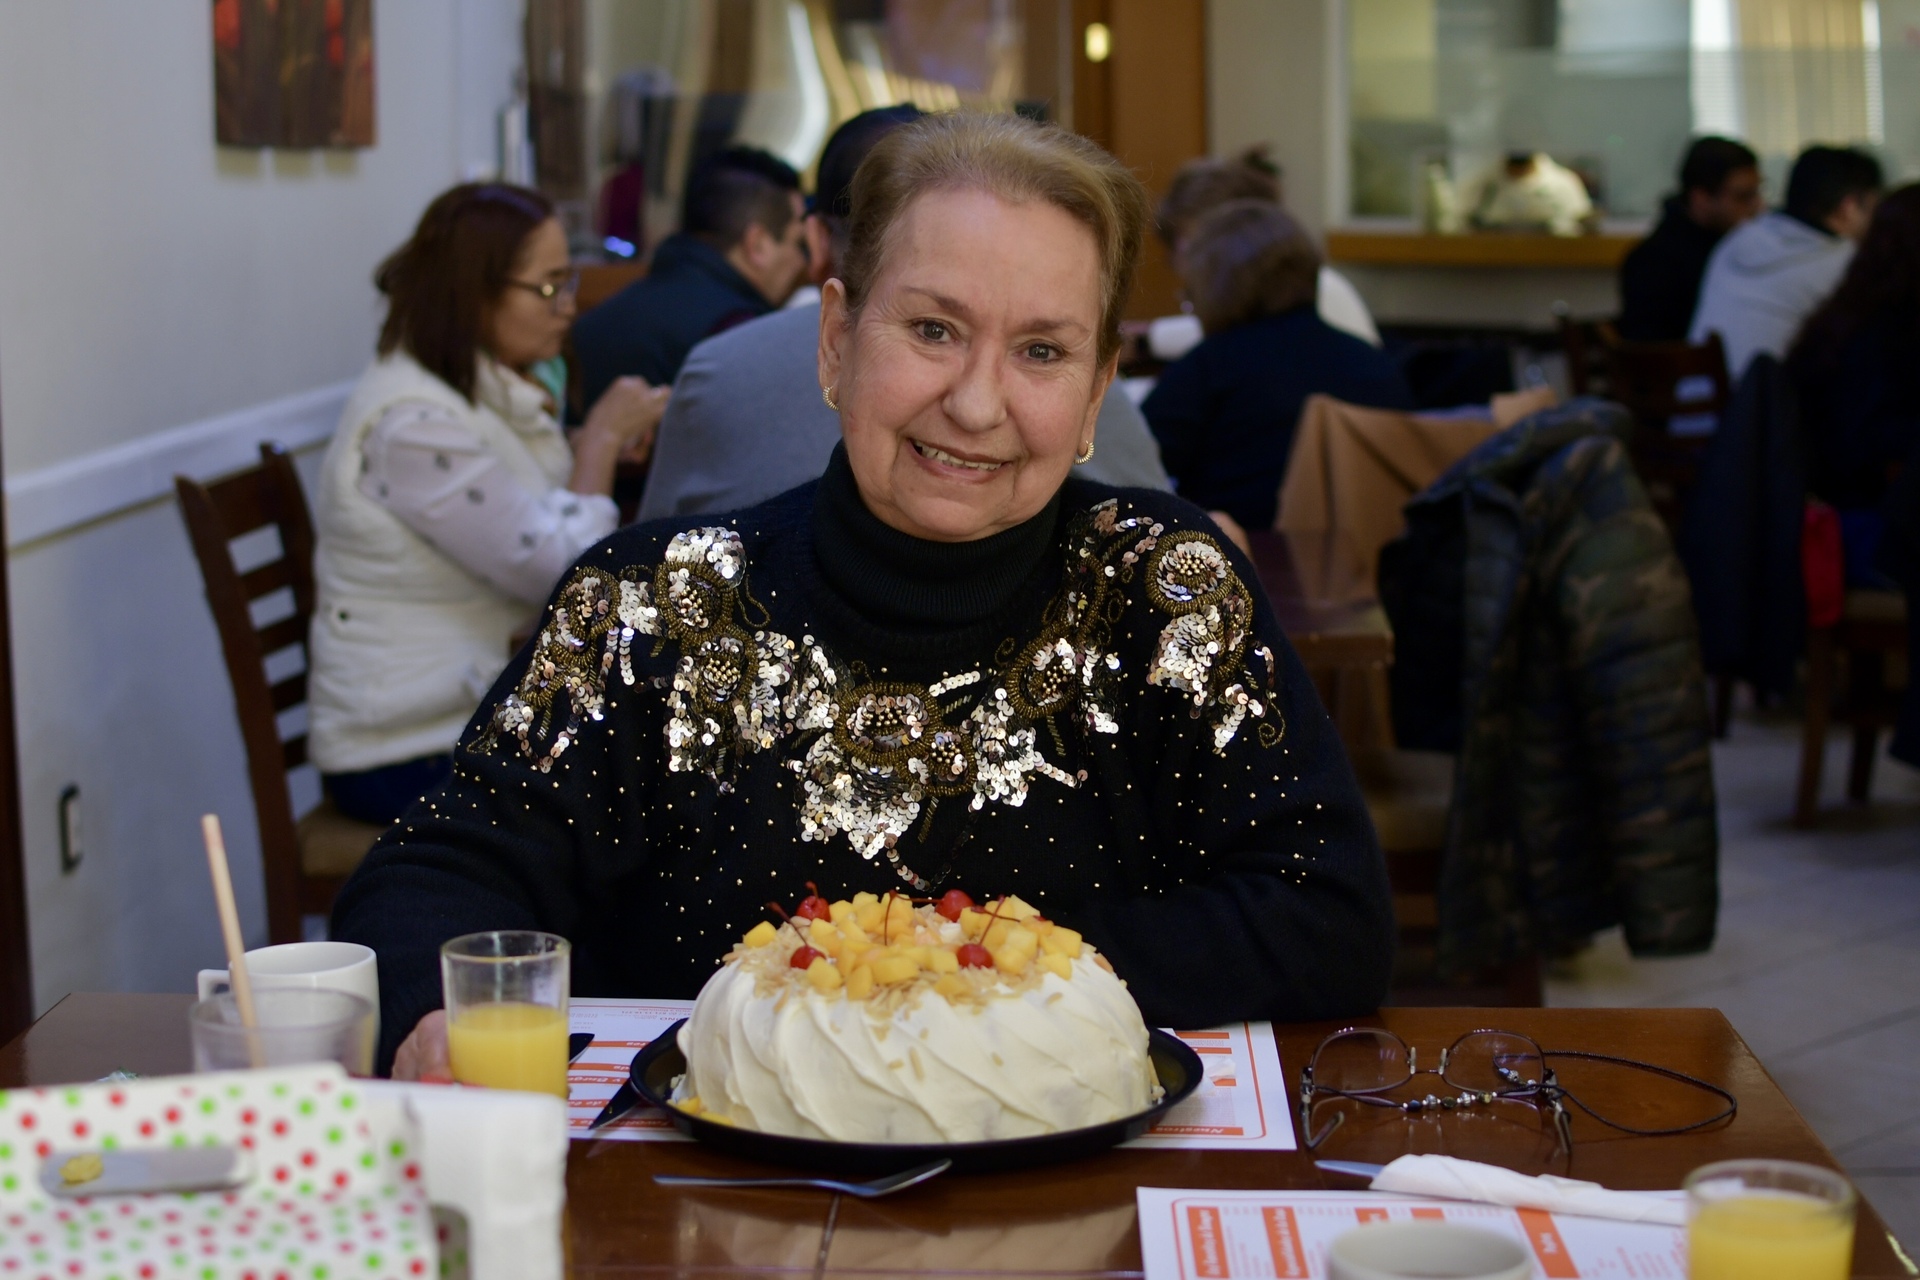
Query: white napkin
[1452, 1179]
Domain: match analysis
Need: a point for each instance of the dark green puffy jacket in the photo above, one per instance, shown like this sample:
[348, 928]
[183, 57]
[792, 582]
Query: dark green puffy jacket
[1537, 582]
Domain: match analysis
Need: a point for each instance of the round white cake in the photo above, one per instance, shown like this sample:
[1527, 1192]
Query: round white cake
[879, 1021]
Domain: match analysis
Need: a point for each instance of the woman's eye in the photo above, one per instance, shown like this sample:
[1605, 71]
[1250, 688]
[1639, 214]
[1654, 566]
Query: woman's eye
[931, 330]
[1043, 352]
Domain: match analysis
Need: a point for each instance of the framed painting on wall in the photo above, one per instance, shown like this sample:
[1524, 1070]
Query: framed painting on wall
[293, 73]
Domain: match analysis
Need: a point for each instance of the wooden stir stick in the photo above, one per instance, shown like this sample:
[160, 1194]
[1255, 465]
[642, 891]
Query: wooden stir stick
[230, 929]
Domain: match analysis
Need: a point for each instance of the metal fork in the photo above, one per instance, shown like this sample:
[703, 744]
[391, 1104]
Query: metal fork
[864, 1190]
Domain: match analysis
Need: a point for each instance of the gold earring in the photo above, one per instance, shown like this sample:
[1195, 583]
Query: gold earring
[826, 393]
[1083, 458]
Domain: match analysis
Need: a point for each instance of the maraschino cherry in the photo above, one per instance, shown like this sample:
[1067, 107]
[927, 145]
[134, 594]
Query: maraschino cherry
[805, 956]
[813, 906]
[952, 903]
[972, 955]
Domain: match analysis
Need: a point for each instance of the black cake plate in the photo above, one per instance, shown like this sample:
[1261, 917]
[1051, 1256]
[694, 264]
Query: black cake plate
[657, 1066]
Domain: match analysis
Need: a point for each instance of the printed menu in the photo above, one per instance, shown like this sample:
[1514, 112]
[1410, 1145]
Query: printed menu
[1241, 1105]
[1285, 1235]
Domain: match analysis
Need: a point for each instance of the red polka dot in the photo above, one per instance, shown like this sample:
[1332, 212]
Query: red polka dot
[411, 1173]
[27, 1120]
[340, 1178]
[80, 1129]
[281, 1174]
[248, 1116]
[279, 1128]
[146, 1271]
[117, 1098]
[246, 1140]
[173, 1115]
[146, 1128]
[307, 1158]
[43, 1150]
[419, 1267]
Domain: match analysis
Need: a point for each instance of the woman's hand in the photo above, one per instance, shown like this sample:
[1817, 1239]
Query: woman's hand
[423, 1054]
[619, 428]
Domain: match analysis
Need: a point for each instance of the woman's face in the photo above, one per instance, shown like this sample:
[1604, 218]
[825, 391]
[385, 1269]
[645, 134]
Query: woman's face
[970, 379]
[525, 328]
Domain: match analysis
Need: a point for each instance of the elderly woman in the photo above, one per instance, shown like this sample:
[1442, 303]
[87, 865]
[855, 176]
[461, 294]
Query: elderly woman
[944, 664]
[1225, 412]
[449, 501]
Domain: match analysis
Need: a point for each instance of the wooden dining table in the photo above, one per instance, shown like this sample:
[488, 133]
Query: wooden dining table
[1078, 1219]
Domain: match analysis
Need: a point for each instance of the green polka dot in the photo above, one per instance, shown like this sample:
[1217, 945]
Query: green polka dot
[397, 1150]
[9, 1182]
[206, 1106]
[335, 1135]
[373, 1262]
[319, 1273]
[346, 1102]
[366, 1161]
[279, 1091]
[233, 1091]
[179, 1140]
[211, 1140]
[306, 1106]
[306, 1188]
[109, 1143]
[6, 1151]
[72, 1096]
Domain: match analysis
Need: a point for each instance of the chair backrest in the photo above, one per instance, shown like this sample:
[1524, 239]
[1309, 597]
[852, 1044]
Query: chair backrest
[267, 496]
[1585, 344]
[1671, 385]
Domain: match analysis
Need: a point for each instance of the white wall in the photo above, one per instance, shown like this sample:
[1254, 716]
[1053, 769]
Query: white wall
[150, 281]
[1276, 73]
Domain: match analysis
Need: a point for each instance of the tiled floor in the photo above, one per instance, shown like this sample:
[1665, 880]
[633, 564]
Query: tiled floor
[1817, 962]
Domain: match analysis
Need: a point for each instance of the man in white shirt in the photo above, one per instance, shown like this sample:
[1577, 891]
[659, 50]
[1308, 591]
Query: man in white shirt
[1767, 276]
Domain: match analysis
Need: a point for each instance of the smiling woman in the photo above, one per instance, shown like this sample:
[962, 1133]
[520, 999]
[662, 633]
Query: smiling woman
[946, 664]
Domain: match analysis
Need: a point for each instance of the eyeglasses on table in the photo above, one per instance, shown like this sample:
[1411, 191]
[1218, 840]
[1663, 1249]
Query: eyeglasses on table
[1485, 1067]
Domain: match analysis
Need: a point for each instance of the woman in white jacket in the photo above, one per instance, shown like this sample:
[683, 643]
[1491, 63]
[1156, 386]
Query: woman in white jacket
[450, 502]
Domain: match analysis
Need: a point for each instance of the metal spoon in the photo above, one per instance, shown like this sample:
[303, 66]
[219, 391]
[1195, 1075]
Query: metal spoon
[864, 1190]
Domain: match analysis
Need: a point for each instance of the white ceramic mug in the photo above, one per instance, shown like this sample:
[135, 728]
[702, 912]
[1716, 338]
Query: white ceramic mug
[335, 966]
[1391, 1250]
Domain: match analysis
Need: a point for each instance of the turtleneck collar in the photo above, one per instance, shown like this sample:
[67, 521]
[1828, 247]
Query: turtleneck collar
[908, 587]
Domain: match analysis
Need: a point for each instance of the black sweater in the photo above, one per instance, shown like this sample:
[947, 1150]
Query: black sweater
[800, 710]
[1660, 278]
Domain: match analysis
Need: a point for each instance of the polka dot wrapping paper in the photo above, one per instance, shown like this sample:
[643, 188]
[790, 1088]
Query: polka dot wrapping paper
[335, 1191]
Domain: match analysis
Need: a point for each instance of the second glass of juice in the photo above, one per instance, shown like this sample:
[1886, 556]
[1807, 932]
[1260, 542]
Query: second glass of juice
[1769, 1220]
[506, 994]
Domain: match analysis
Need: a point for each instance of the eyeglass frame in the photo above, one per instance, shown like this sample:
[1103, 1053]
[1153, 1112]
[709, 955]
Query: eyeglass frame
[1548, 1086]
[566, 290]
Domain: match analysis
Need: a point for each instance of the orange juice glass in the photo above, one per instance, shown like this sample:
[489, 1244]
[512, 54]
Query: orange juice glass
[1768, 1220]
[506, 995]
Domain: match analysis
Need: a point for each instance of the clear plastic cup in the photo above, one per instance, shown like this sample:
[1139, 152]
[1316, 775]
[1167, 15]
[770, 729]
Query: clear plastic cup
[1769, 1220]
[506, 996]
[294, 1026]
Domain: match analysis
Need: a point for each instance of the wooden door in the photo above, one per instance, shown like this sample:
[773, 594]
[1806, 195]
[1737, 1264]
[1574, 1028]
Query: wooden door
[1147, 103]
[16, 975]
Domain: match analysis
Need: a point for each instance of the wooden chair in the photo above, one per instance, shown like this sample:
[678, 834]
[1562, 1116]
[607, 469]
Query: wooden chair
[1872, 629]
[1408, 794]
[1677, 392]
[305, 862]
[1585, 344]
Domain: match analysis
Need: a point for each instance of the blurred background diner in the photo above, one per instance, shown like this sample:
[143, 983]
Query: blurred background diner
[1555, 361]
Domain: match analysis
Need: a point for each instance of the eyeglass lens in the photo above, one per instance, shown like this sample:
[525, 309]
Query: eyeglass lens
[1365, 1060]
[1494, 1062]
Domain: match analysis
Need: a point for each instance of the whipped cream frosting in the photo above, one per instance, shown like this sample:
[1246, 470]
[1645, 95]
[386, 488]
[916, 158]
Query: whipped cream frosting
[1031, 1058]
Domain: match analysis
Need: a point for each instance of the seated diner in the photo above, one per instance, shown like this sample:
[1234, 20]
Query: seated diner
[449, 501]
[946, 664]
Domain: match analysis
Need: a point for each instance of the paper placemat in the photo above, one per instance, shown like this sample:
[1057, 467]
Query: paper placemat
[1285, 1235]
[1241, 1106]
[620, 1029]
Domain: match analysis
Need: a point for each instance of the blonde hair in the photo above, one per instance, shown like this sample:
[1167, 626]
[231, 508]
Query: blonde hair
[1245, 259]
[1017, 160]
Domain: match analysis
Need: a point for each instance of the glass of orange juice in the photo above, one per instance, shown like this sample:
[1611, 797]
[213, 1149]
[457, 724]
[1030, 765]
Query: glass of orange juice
[1768, 1220]
[506, 994]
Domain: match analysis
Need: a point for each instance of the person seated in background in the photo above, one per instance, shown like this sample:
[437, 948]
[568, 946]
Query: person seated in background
[1044, 686]
[740, 252]
[1660, 279]
[449, 502]
[1529, 192]
[1200, 185]
[1225, 412]
[746, 421]
[1856, 366]
[1767, 276]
